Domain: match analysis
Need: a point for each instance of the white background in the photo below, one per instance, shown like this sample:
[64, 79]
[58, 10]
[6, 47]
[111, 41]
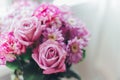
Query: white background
[102, 18]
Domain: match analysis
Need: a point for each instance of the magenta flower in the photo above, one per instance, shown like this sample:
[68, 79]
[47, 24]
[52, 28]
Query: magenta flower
[2, 60]
[4, 57]
[74, 49]
[50, 56]
[9, 47]
[9, 44]
[48, 13]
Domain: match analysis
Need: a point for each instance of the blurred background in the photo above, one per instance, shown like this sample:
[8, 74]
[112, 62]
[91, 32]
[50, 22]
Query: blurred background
[102, 18]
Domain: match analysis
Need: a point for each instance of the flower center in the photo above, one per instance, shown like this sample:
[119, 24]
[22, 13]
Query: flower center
[26, 25]
[52, 36]
[72, 21]
[74, 48]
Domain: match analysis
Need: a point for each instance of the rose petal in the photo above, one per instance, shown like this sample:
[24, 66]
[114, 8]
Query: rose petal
[52, 70]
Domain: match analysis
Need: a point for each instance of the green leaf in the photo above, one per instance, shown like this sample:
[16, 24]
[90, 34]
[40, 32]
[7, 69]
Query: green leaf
[84, 53]
[69, 74]
[33, 76]
[32, 72]
[27, 55]
[13, 65]
[52, 77]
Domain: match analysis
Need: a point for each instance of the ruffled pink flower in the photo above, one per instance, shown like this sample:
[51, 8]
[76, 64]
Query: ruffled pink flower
[2, 60]
[4, 57]
[28, 30]
[74, 49]
[57, 23]
[9, 47]
[50, 56]
[9, 44]
[48, 14]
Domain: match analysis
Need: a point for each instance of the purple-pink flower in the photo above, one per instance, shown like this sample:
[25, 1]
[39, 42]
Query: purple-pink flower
[74, 50]
[28, 30]
[50, 56]
[54, 34]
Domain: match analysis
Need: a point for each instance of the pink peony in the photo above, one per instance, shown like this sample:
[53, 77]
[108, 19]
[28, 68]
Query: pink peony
[28, 31]
[50, 56]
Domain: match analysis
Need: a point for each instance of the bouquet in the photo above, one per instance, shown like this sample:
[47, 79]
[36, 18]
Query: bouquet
[41, 41]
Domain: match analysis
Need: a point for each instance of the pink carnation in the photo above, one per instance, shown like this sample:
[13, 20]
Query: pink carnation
[2, 60]
[9, 44]
[9, 47]
[49, 14]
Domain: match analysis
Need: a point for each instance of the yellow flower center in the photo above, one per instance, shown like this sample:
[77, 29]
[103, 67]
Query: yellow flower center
[72, 21]
[74, 48]
[52, 36]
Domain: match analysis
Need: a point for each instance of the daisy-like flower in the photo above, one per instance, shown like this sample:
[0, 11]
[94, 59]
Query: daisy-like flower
[54, 34]
[80, 31]
[74, 49]
[83, 35]
[71, 21]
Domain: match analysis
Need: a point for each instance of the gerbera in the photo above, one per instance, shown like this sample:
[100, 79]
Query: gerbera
[54, 34]
[74, 49]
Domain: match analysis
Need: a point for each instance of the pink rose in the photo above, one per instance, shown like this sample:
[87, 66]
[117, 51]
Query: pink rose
[28, 31]
[50, 56]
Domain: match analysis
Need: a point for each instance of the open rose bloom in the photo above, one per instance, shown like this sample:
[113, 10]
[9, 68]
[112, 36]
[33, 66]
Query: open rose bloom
[42, 40]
